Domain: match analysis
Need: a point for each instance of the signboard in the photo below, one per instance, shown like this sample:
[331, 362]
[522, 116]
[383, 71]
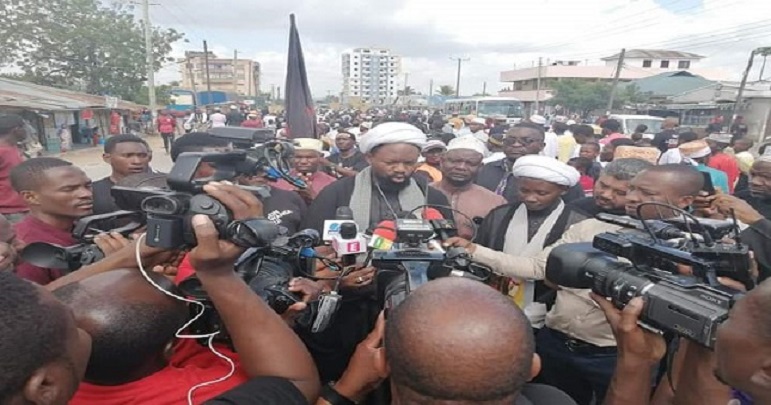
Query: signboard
[110, 102]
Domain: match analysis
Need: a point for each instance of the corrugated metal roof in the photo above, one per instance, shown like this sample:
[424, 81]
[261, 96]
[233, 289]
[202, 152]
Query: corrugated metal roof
[655, 54]
[670, 83]
[19, 94]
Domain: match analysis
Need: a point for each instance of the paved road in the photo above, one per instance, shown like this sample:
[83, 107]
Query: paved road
[90, 160]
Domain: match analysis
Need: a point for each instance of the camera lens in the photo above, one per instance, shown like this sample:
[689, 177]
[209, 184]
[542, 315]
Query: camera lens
[621, 285]
[164, 205]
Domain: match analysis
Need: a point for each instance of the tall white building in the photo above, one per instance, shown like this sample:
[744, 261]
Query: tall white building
[370, 75]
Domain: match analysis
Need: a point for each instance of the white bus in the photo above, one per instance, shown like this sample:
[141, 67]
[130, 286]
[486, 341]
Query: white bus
[485, 107]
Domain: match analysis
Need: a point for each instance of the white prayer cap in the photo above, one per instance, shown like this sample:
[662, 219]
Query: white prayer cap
[390, 133]
[695, 149]
[315, 145]
[571, 122]
[546, 169]
[537, 119]
[721, 138]
[469, 143]
[366, 124]
[480, 121]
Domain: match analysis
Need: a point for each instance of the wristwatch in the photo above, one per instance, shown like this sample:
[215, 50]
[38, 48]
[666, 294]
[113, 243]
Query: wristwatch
[333, 397]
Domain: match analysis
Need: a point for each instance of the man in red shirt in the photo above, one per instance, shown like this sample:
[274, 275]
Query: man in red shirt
[723, 161]
[253, 121]
[12, 131]
[58, 194]
[137, 359]
[307, 166]
[166, 126]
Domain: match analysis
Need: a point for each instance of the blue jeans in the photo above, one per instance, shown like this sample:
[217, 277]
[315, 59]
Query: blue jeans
[582, 371]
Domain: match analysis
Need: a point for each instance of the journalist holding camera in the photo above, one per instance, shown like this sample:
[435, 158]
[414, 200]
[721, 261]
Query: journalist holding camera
[133, 355]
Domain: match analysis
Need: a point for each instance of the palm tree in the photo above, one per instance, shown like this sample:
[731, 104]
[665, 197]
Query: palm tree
[445, 91]
[408, 91]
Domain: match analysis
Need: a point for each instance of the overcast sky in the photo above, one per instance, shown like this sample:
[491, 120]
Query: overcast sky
[495, 35]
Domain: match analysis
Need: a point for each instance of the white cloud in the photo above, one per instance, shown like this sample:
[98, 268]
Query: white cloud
[495, 34]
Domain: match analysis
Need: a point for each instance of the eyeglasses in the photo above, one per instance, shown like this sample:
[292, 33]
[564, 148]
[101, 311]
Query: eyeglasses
[511, 141]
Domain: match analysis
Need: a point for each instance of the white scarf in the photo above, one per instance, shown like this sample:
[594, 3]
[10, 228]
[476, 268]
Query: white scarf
[516, 244]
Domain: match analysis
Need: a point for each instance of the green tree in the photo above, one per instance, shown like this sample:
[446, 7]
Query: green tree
[80, 44]
[580, 95]
[445, 91]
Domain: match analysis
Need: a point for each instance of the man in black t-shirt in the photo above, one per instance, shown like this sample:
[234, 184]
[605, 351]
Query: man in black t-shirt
[349, 161]
[127, 155]
[667, 138]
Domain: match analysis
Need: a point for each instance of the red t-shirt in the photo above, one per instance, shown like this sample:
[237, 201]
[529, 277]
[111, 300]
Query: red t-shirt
[30, 230]
[190, 365]
[587, 183]
[728, 165]
[10, 201]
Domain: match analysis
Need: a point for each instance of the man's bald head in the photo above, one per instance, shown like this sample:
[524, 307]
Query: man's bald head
[682, 179]
[131, 323]
[458, 340]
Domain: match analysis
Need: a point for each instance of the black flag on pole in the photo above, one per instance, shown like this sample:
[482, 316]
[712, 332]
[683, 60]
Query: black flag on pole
[298, 103]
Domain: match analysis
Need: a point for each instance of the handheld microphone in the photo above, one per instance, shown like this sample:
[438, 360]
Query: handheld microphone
[348, 243]
[343, 215]
[443, 228]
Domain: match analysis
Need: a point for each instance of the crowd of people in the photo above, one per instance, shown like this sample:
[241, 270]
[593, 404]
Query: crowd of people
[115, 332]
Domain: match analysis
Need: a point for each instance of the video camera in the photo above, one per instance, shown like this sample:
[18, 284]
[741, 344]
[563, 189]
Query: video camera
[71, 258]
[690, 306]
[169, 212]
[267, 270]
[416, 258]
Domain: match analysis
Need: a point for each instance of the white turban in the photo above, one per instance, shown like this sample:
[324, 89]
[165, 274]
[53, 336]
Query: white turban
[467, 142]
[546, 169]
[390, 133]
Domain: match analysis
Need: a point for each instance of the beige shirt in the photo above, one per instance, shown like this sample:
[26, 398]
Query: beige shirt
[574, 313]
[474, 201]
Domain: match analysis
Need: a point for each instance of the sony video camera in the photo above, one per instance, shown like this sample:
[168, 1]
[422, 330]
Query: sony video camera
[690, 306]
[416, 258]
[71, 258]
[169, 212]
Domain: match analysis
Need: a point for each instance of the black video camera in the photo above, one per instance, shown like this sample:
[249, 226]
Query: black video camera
[267, 270]
[169, 212]
[411, 262]
[71, 258]
[690, 306]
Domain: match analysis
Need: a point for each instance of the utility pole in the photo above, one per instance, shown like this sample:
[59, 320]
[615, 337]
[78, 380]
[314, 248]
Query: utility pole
[431, 88]
[150, 60]
[619, 67]
[457, 80]
[235, 71]
[740, 93]
[206, 62]
[484, 89]
[406, 79]
[189, 66]
[538, 87]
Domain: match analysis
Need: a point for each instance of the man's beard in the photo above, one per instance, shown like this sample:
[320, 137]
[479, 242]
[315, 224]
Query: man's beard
[387, 185]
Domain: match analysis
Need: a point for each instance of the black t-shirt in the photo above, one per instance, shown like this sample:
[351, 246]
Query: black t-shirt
[356, 162]
[285, 208]
[262, 391]
[103, 201]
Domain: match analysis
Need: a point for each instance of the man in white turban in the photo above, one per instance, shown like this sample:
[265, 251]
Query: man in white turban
[542, 181]
[460, 166]
[383, 191]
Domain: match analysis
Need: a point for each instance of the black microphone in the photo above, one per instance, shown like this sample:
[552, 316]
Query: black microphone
[348, 231]
[343, 213]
